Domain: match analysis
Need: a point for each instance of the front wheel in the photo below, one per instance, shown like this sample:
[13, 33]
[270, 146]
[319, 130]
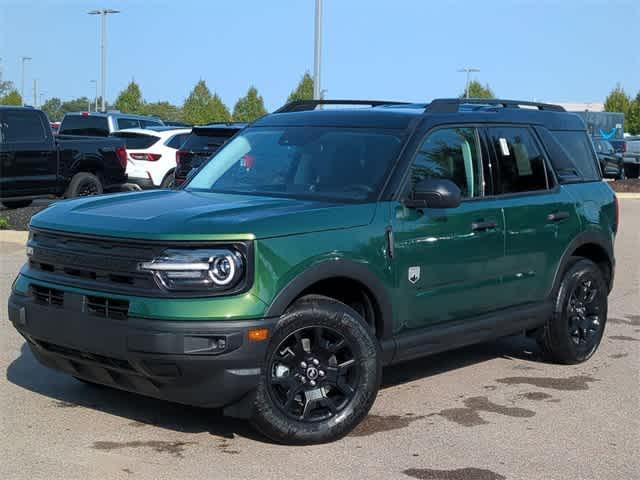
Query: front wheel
[574, 331]
[321, 374]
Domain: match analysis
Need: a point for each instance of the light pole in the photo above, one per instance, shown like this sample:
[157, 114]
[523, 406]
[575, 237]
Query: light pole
[468, 70]
[103, 50]
[96, 95]
[42, 93]
[24, 60]
[317, 52]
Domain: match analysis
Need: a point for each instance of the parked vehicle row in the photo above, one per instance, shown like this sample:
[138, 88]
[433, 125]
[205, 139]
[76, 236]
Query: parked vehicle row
[611, 162]
[631, 156]
[35, 163]
[319, 245]
[99, 124]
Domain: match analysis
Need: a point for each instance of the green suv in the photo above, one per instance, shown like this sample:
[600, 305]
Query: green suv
[321, 244]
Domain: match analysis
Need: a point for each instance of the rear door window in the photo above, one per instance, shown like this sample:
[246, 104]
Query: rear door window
[136, 141]
[521, 164]
[86, 125]
[177, 140]
[22, 126]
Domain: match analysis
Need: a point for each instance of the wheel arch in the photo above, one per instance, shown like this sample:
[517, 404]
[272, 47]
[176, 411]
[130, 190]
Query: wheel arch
[594, 246]
[346, 272]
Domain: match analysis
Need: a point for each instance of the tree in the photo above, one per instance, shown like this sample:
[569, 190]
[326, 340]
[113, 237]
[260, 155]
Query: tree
[617, 101]
[5, 87]
[130, 99]
[477, 90]
[632, 120]
[163, 110]
[11, 98]
[250, 107]
[201, 107]
[53, 109]
[80, 104]
[304, 90]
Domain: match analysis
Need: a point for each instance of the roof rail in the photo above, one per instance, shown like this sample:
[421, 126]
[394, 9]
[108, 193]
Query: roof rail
[452, 105]
[305, 105]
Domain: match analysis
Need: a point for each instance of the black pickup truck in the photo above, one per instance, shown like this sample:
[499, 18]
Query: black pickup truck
[34, 163]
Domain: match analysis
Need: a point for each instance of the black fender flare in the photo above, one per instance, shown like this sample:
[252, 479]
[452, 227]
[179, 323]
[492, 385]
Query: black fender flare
[338, 268]
[591, 237]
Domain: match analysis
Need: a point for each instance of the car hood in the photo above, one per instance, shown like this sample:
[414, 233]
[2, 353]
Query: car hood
[184, 215]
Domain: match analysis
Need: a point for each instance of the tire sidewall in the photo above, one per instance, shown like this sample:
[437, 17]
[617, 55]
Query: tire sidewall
[80, 179]
[273, 422]
[559, 326]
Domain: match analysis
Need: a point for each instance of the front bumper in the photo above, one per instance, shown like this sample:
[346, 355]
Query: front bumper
[208, 363]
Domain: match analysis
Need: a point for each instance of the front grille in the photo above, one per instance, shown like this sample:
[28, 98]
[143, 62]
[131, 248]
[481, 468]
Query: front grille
[103, 264]
[80, 355]
[47, 296]
[108, 307]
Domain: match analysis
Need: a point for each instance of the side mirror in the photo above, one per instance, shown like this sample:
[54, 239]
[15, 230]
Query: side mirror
[434, 193]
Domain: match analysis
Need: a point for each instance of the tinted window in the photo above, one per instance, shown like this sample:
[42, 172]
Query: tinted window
[206, 143]
[308, 162]
[150, 123]
[177, 140]
[128, 123]
[520, 161]
[578, 148]
[451, 153]
[84, 125]
[136, 140]
[24, 126]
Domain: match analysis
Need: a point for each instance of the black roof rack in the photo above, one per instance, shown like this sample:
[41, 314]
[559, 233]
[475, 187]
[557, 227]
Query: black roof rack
[452, 105]
[305, 105]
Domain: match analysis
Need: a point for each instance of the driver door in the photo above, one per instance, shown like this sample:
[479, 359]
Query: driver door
[448, 260]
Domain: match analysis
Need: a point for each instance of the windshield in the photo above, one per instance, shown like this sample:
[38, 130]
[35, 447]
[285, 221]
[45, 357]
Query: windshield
[309, 162]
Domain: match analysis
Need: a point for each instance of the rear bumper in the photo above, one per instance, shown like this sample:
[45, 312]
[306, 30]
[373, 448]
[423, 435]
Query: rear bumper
[208, 364]
[142, 182]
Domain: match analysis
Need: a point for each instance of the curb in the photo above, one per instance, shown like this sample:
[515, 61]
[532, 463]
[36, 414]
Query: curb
[13, 236]
[627, 195]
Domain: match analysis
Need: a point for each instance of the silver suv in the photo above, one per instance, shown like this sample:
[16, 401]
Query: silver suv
[98, 124]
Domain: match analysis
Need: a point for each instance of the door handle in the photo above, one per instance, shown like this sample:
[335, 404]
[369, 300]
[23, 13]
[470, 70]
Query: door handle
[482, 225]
[557, 216]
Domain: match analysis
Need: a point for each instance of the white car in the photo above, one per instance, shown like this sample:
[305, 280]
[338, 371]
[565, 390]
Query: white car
[151, 154]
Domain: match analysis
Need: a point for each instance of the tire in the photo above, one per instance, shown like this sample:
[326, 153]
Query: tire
[632, 170]
[168, 180]
[83, 184]
[326, 342]
[574, 331]
[13, 204]
[622, 173]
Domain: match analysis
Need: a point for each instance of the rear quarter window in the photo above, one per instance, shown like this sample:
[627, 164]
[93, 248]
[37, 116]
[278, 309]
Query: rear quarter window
[577, 147]
[128, 123]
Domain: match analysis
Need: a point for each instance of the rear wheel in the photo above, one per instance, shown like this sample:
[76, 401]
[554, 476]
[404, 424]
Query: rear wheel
[575, 329]
[321, 375]
[83, 184]
[12, 204]
[168, 180]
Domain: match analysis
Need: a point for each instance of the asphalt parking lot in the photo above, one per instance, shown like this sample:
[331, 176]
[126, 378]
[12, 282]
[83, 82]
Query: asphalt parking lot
[489, 412]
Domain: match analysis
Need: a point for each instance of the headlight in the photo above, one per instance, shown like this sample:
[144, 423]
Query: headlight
[197, 270]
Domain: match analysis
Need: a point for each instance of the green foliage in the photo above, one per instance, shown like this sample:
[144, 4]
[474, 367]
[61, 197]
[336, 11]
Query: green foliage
[477, 90]
[201, 107]
[163, 110]
[632, 119]
[304, 90]
[5, 87]
[53, 109]
[11, 98]
[617, 101]
[130, 99]
[4, 223]
[250, 107]
[76, 105]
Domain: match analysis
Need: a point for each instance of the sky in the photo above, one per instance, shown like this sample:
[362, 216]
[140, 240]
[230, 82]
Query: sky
[564, 50]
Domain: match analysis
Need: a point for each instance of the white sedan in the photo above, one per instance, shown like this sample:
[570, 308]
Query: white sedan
[151, 154]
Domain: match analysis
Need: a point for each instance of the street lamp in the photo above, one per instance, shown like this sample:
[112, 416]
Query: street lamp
[96, 95]
[24, 60]
[317, 52]
[468, 70]
[103, 50]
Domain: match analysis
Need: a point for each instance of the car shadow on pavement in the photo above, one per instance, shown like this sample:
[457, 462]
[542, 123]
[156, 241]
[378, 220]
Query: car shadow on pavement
[67, 392]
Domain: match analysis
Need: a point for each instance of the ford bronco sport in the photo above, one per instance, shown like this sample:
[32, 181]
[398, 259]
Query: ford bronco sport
[320, 245]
